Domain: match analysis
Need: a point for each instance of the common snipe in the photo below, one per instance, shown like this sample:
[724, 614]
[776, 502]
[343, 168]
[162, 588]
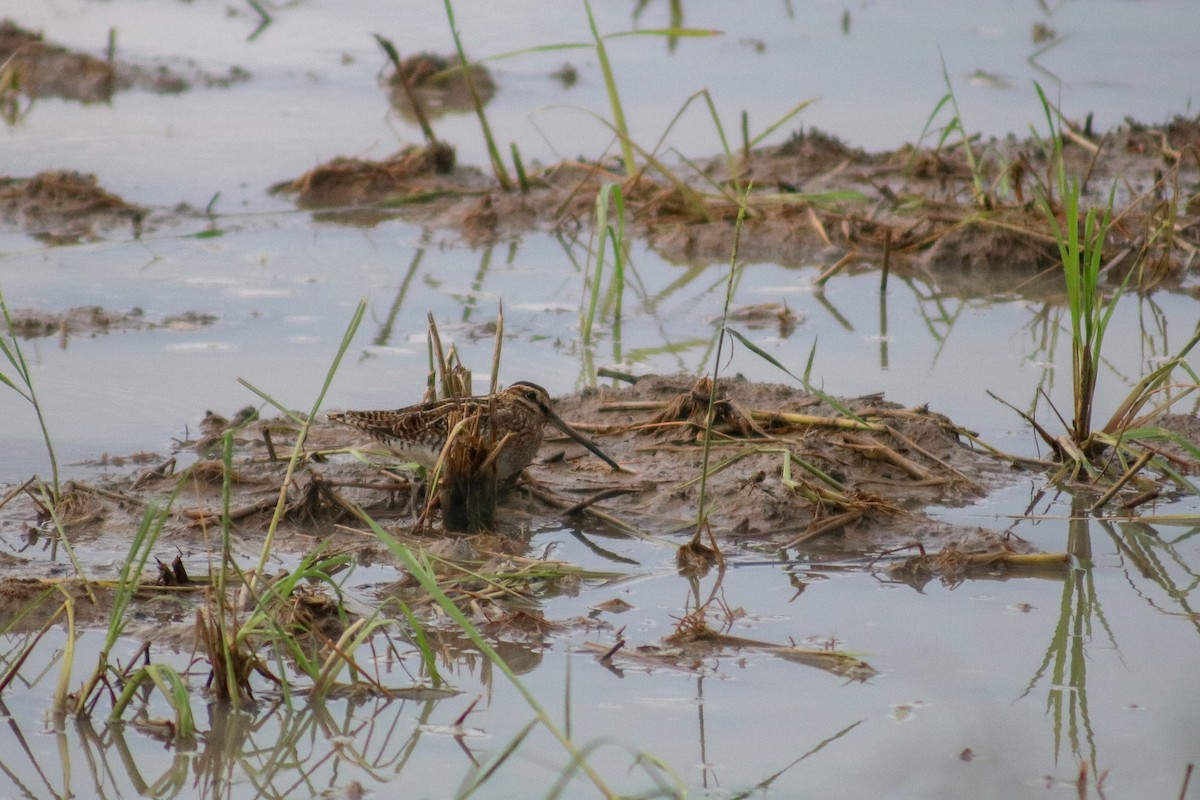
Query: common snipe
[419, 432]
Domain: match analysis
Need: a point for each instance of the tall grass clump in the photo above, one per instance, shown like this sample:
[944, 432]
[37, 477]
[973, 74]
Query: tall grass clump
[1080, 237]
[234, 644]
[1081, 253]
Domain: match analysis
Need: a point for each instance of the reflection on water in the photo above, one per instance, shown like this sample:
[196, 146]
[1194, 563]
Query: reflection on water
[1004, 683]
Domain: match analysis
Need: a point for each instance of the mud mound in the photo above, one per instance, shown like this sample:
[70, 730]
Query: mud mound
[37, 68]
[95, 321]
[785, 468]
[65, 207]
[927, 210]
[786, 471]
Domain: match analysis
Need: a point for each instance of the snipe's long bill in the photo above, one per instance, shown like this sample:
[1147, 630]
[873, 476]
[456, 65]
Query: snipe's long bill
[521, 411]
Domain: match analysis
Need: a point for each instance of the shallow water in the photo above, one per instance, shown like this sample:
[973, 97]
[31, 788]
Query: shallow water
[967, 667]
[967, 699]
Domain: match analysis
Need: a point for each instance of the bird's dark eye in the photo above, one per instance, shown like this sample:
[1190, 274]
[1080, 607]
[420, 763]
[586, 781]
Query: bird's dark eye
[531, 395]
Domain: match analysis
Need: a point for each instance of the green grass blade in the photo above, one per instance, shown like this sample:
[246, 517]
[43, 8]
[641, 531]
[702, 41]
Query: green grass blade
[15, 357]
[498, 167]
[670, 33]
[836, 404]
[602, 203]
[796, 109]
[481, 776]
[302, 434]
[614, 98]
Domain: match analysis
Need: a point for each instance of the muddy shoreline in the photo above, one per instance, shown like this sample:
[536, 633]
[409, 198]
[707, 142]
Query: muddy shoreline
[881, 469]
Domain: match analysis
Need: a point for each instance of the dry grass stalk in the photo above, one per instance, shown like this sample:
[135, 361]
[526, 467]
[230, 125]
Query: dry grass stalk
[950, 562]
[231, 664]
[467, 489]
[692, 407]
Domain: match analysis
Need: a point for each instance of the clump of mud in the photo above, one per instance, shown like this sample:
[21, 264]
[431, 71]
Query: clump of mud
[437, 82]
[65, 207]
[37, 68]
[785, 470]
[814, 199]
[91, 321]
[784, 467]
[412, 172]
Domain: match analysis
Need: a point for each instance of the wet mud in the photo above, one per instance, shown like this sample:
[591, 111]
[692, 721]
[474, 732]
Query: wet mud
[972, 221]
[815, 199]
[788, 473]
[35, 68]
[88, 321]
[66, 208]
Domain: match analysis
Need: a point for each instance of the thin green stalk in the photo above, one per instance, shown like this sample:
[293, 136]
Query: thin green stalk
[614, 97]
[140, 549]
[389, 50]
[956, 125]
[689, 33]
[702, 513]
[968, 151]
[493, 151]
[476, 779]
[610, 194]
[519, 166]
[774, 126]
[12, 352]
[428, 657]
[221, 618]
[302, 434]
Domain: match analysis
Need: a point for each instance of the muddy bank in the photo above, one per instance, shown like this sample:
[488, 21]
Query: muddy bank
[37, 69]
[66, 208]
[90, 321]
[790, 478]
[815, 199]
[970, 223]
[787, 472]
[964, 215]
